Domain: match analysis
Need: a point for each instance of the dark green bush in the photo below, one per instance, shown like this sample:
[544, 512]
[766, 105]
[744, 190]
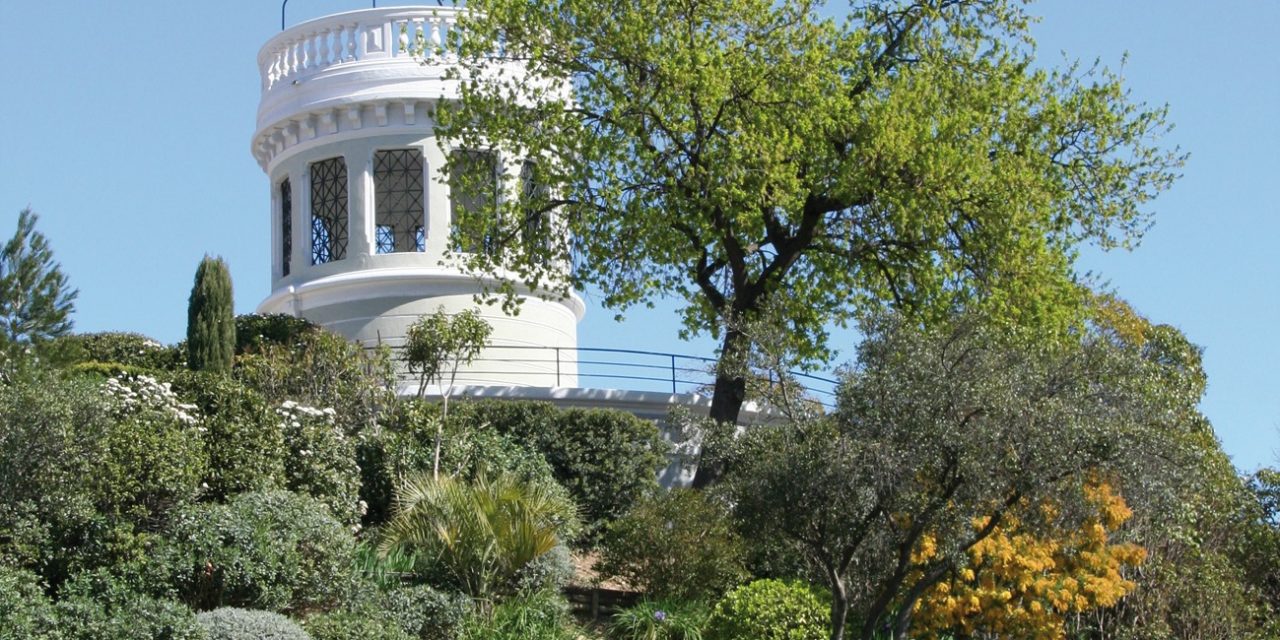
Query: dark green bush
[25, 612]
[322, 459]
[254, 330]
[242, 435]
[771, 610]
[273, 550]
[426, 613]
[229, 623]
[97, 606]
[606, 459]
[541, 615]
[678, 545]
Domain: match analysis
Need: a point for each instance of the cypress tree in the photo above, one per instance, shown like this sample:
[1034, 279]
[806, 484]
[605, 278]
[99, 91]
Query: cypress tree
[211, 322]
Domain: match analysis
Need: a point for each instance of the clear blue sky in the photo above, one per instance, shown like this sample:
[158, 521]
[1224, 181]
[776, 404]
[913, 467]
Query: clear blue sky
[126, 125]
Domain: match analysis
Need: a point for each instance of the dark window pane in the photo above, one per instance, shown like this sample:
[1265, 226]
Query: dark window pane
[328, 210]
[535, 226]
[473, 185]
[398, 198]
[286, 226]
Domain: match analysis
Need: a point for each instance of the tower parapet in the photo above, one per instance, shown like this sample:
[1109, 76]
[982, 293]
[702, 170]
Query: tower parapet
[361, 209]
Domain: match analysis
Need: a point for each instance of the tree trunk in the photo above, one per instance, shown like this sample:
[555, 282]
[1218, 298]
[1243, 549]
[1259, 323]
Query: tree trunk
[839, 605]
[726, 402]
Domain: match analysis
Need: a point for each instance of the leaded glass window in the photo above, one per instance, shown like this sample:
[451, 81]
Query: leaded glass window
[286, 226]
[473, 182]
[398, 200]
[535, 228]
[328, 210]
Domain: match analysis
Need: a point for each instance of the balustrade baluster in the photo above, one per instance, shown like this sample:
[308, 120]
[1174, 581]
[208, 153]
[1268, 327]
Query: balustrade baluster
[437, 43]
[322, 48]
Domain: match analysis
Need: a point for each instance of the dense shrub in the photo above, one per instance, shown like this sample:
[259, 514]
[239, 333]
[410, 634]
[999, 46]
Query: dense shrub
[426, 613]
[25, 612]
[132, 350]
[770, 610]
[99, 605]
[542, 615]
[350, 625]
[659, 620]
[322, 459]
[273, 550]
[242, 435]
[88, 467]
[606, 459]
[229, 623]
[255, 330]
[677, 545]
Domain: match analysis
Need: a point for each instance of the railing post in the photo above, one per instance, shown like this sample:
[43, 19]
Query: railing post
[673, 373]
[557, 366]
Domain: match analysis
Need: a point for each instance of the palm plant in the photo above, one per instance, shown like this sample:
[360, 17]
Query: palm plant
[479, 533]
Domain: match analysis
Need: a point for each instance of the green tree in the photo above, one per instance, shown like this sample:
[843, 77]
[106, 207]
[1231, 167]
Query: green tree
[211, 322]
[35, 300]
[941, 437]
[754, 157]
[435, 347]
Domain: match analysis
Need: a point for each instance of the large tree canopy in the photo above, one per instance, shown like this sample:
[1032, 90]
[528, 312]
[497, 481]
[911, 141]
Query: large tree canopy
[754, 156]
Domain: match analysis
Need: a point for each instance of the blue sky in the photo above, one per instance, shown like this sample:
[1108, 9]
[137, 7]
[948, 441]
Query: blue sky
[126, 125]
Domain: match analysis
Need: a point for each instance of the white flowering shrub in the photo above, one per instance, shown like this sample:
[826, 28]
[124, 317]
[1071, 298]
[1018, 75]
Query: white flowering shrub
[321, 459]
[138, 394]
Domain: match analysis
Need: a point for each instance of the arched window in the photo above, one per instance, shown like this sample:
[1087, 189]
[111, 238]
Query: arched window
[286, 226]
[328, 210]
[398, 201]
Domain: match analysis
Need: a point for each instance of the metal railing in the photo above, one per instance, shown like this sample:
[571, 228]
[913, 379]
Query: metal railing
[628, 369]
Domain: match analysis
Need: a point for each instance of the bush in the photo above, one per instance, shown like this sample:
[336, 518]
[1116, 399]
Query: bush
[254, 331]
[132, 350]
[229, 623]
[675, 545]
[425, 613]
[659, 620]
[770, 610]
[25, 612]
[348, 625]
[606, 459]
[322, 460]
[542, 615]
[242, 436]
[274, 550]
[97, 606]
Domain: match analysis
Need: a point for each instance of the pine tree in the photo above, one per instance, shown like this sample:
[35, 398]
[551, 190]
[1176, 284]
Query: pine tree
[35, 301]
[211, 323]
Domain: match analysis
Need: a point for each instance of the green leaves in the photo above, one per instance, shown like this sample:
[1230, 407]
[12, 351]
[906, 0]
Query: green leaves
[35, 300]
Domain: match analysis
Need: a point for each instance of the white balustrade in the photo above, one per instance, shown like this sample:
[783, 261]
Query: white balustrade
[370, 34]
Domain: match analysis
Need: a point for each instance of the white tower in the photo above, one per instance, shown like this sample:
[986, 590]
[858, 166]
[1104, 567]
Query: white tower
[360, 210]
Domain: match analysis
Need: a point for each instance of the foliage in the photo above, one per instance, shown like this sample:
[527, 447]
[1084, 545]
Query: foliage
[35, 300]
[541, 615]
[425, 613]
[606, 459]
[770, 610]
[125, 349]
[755, 157]
[211, 327]
[943, 426]
[1028, 585]
[405, 444]
[255, 330]
[348, 625]
[322, 460]
[96, 606]
[243, 438]
[229, 623]
[676, 545]
[25, 612]
[88, 468]
[437, 345]
[659, 620]
[479, 534]
[323, 369]
[271, 550]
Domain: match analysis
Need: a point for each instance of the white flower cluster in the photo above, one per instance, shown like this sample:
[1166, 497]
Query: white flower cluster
[140, 392]
[294, 413]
